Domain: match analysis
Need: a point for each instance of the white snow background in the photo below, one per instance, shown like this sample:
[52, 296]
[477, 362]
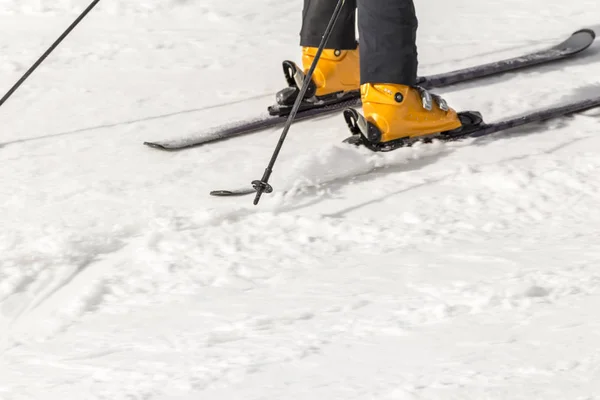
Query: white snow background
[445, 271]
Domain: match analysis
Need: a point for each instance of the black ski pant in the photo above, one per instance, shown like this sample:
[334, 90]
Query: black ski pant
[387, 32]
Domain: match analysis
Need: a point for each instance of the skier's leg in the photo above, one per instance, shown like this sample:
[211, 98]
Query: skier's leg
[338, 69]
[315, 18]
[388, 34]
[388, 57]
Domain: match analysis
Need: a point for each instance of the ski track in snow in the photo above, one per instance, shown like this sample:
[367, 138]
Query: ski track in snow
[445, 271]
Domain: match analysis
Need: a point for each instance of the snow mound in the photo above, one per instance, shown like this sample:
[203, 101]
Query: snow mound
[341, 162]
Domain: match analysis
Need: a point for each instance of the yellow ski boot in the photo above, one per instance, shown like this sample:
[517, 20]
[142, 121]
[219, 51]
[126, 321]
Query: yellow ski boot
[398, 115]
[337, 70]
[335, 79]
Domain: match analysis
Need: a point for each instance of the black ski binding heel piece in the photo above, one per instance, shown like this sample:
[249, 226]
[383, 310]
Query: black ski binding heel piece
[295, 78]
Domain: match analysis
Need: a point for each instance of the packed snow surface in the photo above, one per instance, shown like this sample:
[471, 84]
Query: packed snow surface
[444, 271]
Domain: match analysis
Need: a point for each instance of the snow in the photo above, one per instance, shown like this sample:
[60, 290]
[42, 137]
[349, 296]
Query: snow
[445, 271]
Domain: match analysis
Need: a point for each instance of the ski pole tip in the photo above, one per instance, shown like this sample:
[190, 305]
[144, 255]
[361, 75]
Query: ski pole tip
[261, 187]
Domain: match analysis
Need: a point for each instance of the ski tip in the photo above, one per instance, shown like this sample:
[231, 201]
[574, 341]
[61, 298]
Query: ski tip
[589, 31]
[576, 43]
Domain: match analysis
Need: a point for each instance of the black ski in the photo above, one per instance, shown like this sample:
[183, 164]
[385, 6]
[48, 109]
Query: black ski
[476, 130]
[575, 44]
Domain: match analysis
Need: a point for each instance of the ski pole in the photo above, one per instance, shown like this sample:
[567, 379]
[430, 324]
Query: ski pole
[262, 186]
[47, 53]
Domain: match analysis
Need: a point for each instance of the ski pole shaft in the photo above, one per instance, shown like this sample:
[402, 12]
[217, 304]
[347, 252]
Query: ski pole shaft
[47, 53]
[263, 186]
